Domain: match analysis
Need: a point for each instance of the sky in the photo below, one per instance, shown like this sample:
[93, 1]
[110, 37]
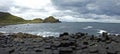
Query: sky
[107, 11]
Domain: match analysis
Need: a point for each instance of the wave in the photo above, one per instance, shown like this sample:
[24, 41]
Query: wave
[45, 34]
[101, 31]
[88, 27]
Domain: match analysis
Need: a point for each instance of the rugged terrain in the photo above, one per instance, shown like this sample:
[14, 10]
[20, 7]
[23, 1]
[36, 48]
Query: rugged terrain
[79, 43]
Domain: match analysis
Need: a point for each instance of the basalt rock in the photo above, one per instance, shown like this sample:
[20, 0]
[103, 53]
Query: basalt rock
[79, 43]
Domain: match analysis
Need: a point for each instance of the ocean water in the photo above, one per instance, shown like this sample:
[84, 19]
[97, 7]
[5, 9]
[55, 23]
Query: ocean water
[54, 29]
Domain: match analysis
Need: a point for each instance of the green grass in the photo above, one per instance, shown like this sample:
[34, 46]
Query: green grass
[7, 19]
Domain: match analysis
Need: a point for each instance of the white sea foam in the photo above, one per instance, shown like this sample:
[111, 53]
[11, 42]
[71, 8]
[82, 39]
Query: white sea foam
[101, 31]
[117, 34]
[45, 34]
[3, 32]
[88, 27]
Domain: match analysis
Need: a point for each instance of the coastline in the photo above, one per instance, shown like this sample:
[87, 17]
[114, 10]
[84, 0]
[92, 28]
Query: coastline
[78, 43]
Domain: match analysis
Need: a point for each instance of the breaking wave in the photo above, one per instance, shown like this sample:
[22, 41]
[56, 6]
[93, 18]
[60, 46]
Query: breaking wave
[101, 31]
[88, 27]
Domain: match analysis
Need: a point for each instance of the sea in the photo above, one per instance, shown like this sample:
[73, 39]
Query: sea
[54, 29]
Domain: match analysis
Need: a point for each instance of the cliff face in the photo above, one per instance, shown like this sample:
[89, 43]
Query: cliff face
[51, 19]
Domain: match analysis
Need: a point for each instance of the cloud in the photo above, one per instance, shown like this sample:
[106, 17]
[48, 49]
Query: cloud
[108, 7]
[65, 10]
[5, 5]
[30, 9]
[72, 19]
[90, 9]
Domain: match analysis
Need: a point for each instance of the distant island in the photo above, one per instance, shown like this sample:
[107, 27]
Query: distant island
[7, 18]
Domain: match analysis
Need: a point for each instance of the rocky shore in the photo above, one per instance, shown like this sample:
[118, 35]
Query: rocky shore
[79, 43]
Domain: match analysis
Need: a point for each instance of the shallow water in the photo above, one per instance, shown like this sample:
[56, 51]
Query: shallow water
[54, 29]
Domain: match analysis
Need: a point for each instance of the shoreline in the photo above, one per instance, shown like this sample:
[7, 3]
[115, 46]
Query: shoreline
[78, 43]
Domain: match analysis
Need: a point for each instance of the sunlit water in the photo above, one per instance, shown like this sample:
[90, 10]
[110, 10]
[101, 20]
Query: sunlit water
[54, 29]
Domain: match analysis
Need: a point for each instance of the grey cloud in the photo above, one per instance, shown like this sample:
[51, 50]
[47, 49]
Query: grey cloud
[5, 5]
[86, 8]
[23, 10]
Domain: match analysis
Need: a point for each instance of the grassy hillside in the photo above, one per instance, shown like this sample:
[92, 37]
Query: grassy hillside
[37, 20]
[51, 19]
[7, 18]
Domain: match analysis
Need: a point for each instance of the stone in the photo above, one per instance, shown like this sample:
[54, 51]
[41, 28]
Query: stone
[118, 52]
[3, 51]
[66, 52]
[47, 45]
[47, 51]
[38, 49]
[84, 46]
[85, 51]
[73, 47]
[11, 51]
[55, 51]
[65, 37]
[27, 52]
[85, 43]
[56, 43]
[93, 49]
[110, 51]
[24, 49]
[78, 51]
[64, 34]
[102, 50]
[65, 49]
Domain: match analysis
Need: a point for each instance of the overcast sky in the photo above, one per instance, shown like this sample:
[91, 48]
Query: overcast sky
[65, 10]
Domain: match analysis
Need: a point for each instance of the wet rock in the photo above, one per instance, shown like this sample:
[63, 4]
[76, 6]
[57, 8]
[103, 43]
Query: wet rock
[24, 49]
[47, 51]
[47, 45]
[66, 43]
[105, 35]
[65, 37]
[117, 47]
[78, 51]
[38, 49]
[103, 51]
[65, 50]
[73, 47]
[64, 34]
[85, 51]
[2, 51]
[111, 51]
[56, 52]
[99, 49]
[56, 43]
[27, 52]
[118, 52]
[11, 51]
[79, 43]
[93, 49]
[85, 43]
[92, 37]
